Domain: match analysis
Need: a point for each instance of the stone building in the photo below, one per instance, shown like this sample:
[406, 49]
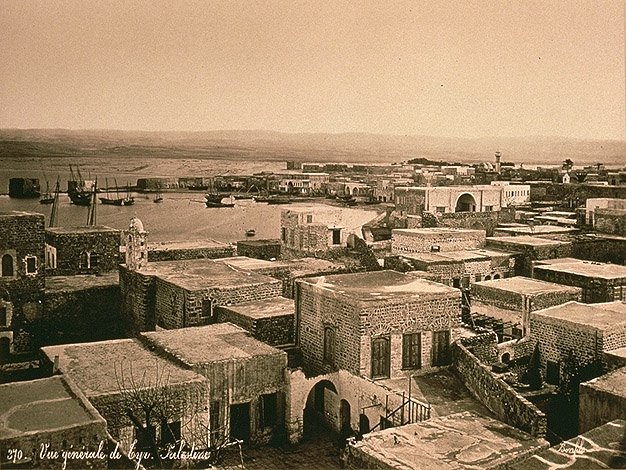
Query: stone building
[177, 294]
[82, 250]
[51, 412]
[270, 320]
[22, 278]
[593, 204]
[303, 183]
[260, 249]
[583, 330]
[602, 399]
[450, 267]
[611, 221]
[437, 239]
[376, 324]
[313, 229]
[446, 199]
[180, 250]
[600, 282]
[513, 194]
[107, 371]
[529, 249]
[245, 377]
[517, 297]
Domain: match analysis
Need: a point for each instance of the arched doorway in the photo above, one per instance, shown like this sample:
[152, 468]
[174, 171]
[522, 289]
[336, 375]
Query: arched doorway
[465, 203]
[319, 407]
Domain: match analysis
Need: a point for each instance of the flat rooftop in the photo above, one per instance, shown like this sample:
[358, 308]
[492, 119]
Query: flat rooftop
[601, 447]
[250, 264]
[601, 316]
[198, 274]
[82, 229]
[537, 229]
[97, 368]
[458, 441]
[525, 240]
[447, 257]
[582, 268]
[276, 307]
[81, 282]
[42, 405]
[210, 343]
[613, 383]
[527, 286]
[506, 315]
[380, 286]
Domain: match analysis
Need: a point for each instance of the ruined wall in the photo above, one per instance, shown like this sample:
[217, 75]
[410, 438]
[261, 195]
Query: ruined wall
[274, 330]
[260, 249]
[423, 241]
[89, 314]
[162, 253]
[70, 245]
[529, 253]
[599, 404]
[500, 398]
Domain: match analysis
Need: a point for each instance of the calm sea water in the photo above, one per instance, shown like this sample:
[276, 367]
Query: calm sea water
[182, 216]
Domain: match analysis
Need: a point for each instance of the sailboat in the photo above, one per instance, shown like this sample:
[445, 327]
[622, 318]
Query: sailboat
[78, 189]
[119, 201]
[47, 198]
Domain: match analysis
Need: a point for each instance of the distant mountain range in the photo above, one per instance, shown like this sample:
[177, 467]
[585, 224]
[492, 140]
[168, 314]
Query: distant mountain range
[311, 147]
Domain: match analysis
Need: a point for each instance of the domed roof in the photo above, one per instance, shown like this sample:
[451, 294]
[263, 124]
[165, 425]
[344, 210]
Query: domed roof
[136, 225]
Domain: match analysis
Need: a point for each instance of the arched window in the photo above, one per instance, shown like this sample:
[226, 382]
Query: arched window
[7, 266]
[329, 345]
[84, 260]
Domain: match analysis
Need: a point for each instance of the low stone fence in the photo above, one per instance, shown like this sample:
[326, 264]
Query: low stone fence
[500, 398]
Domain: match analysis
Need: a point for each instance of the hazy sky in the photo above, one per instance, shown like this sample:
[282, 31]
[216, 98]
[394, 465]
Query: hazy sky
[450, 68]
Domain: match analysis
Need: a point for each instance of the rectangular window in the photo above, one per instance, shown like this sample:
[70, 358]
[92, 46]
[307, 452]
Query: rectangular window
[269, 409]
[441, 348]
[214, 420]
[309, 219]
[412, 351]
[31, 265]
[93, 260]
[553, 372]
[337, 236]
[329, 345]
[381, 358]
[283, 236]
[170, 433]
[3, 316]
[478, 278]
[441, 209]
[488, 208]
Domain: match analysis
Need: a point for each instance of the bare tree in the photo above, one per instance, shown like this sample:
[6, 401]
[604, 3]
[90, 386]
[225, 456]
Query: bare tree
[151, 402]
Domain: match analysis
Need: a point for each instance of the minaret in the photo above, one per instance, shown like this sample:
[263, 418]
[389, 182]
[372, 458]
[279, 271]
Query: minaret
[136, 245]
[498, 155]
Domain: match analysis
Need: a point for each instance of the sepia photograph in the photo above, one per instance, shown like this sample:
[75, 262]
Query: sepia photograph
[312, 234]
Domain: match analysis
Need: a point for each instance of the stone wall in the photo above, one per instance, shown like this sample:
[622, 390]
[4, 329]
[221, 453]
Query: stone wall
[611, 221]
[22, 237]
[594, 289]
[70, 246]
[599, 404]
[501, 399]
[486, 221]
[529, 253]
[176, 307]
[410, 200]
[165, 253]
[558, 337]
[355, 327]
[274, 330]
[260, 249]
[423, 241]
[574, 195]
[138, 292]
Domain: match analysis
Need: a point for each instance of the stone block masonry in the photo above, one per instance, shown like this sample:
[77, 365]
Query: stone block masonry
[260, 249]
[189, 250]
[500, 398]
[406, 241]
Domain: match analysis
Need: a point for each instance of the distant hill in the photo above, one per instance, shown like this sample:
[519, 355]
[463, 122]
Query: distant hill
[269, 145]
